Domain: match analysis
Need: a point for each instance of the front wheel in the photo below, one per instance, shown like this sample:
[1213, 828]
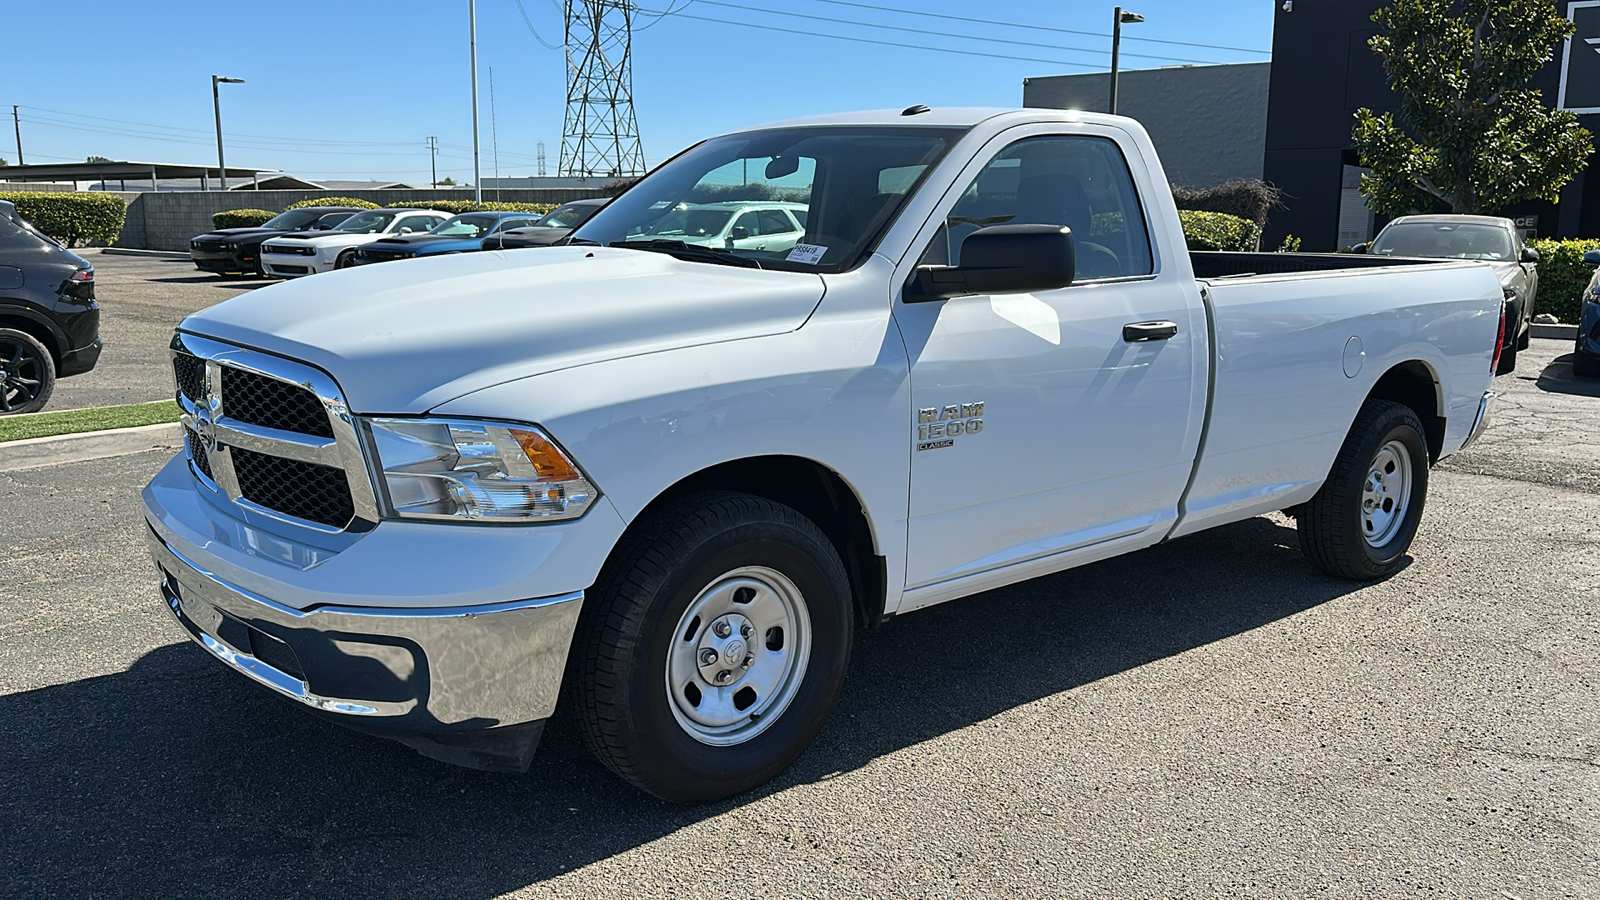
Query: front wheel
[1585, 365]
[715, 648]
[27, 373]
[345, 260]
[1362, 521]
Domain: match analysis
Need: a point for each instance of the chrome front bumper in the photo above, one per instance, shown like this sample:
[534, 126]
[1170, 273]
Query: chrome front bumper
[469, 685]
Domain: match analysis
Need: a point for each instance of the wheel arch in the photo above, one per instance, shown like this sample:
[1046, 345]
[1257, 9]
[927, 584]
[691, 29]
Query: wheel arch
[12, 318]
[1416, 385]
[815, 491]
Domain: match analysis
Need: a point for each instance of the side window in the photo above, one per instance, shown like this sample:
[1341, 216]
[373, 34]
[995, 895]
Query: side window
[749, 223]
[773, 221]
[1080, 182]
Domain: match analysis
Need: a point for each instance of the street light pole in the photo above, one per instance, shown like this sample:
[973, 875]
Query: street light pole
[1118, 16]
[216, 107]
[472, 36]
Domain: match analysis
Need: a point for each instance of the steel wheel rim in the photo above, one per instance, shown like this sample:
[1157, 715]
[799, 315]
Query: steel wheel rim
[738, 656]
[20, 375]
[1386, 493]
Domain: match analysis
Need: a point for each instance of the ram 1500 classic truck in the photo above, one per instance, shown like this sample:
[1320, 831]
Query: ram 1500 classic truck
[668, 481]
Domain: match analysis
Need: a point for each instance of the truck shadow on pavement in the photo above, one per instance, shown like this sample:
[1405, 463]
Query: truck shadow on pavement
[176, 774]
[1557, 377]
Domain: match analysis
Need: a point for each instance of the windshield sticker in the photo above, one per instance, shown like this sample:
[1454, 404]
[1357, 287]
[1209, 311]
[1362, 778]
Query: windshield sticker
[810, 254]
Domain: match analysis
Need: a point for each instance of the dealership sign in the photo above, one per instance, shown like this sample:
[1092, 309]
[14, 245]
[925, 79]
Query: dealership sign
[1580, 63]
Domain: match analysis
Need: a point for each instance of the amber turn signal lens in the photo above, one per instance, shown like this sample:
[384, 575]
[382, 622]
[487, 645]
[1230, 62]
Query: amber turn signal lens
[547, 460]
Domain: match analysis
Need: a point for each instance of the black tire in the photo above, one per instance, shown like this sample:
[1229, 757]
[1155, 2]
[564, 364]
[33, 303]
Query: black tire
[345, 260]
[1585, 365]
[1333, 530]
[260, 268]
[619, 673]
[27, 373]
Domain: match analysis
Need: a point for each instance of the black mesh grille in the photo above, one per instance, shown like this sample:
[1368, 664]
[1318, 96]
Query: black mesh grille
[190, 373]
[275, 653]
[303, 490]
[271, 403]
[197, 452]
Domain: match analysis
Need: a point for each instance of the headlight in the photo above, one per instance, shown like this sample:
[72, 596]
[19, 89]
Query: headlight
[462, 470]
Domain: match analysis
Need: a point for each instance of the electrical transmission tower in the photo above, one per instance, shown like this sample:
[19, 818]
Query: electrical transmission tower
[600, 136]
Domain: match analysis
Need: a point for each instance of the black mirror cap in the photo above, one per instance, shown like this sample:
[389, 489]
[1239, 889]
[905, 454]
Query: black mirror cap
[1591, 257]
[1360, 248]
[1530, 255]
[1002, 259]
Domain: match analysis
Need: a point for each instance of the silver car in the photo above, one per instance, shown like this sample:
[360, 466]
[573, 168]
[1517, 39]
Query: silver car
[1489, 238]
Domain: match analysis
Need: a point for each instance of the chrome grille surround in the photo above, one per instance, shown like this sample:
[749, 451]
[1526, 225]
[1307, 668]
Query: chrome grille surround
[209, 430]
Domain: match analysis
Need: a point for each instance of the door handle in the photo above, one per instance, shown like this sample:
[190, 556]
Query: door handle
[1149, 331]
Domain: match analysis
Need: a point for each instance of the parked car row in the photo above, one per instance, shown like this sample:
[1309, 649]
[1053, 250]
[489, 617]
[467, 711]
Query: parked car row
[308, 240]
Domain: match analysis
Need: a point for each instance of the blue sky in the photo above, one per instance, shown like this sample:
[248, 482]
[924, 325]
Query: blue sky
[343, 89]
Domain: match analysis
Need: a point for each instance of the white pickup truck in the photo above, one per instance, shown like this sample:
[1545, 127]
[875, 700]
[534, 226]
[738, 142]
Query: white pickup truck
[667, 482]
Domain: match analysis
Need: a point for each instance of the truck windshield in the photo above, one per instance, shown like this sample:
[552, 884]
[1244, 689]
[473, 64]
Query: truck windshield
[1444, 240]
[845, 183]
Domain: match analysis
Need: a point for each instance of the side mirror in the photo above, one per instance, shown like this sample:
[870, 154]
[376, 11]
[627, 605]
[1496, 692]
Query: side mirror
[1591, 258]
[739, 233]
[1530, 255]
[405, 230]
[1360, 248]
[1001, 259]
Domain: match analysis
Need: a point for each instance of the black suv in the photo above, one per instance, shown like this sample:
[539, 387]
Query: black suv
[238, 250]
[49, 321]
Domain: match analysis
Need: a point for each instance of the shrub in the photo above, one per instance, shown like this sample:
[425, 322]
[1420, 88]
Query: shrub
[1218, 231]
[74, 219]
[1291, 244]
[457, 207]
[240, 218]
[333, 201]
[1562, 276]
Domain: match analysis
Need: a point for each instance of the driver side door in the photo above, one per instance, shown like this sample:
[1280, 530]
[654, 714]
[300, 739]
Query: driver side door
[1044, 432]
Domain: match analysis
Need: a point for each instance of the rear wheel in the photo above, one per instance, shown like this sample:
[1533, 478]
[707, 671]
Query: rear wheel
[1362, 521]
[27, 373]
[1508, 353]
[715, 648]
[1585, 365]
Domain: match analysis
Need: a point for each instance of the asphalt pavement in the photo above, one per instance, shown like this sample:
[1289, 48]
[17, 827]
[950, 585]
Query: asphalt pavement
[142, 298]
[1211, 717]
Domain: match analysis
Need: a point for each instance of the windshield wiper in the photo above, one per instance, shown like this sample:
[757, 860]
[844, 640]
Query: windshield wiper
[695, 252]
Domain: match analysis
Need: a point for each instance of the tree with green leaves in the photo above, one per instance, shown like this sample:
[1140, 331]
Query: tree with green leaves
[1470, 134]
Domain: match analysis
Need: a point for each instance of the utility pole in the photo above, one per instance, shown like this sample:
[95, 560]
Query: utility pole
[433, 159]
[216, 106]
[1117, 18]
[472, 37]
[494, 135]
[17, 121]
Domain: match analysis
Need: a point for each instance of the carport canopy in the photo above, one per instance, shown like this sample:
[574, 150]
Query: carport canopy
[154, 172]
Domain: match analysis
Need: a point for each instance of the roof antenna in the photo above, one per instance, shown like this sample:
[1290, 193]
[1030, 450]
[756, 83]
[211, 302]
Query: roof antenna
[917, 110]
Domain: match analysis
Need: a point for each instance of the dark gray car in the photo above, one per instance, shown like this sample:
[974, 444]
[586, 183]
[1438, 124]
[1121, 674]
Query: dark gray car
[1490, 238]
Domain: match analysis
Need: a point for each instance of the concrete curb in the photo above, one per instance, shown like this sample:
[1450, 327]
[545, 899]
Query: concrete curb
[36, 453]
[1554, 332]
[128, 251]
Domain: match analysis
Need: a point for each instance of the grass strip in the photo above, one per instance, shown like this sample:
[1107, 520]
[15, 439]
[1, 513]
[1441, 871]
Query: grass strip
[76, 421]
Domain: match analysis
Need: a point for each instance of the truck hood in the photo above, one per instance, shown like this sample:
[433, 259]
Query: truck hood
[405, 338]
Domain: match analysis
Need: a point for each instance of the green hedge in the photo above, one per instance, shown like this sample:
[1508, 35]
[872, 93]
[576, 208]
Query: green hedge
[73, 219]
[334, 201]
[464, 206]
[1562, 276]
[240, 218]
[1218, 231]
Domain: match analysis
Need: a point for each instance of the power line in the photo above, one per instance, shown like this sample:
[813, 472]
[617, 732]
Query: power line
[1104, 34]
[860, 40]
[533, 31]
[48, 122]
[207, 133]
[971, 37]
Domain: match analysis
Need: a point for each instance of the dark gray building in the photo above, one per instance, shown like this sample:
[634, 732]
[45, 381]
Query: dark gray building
[1209, 123]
